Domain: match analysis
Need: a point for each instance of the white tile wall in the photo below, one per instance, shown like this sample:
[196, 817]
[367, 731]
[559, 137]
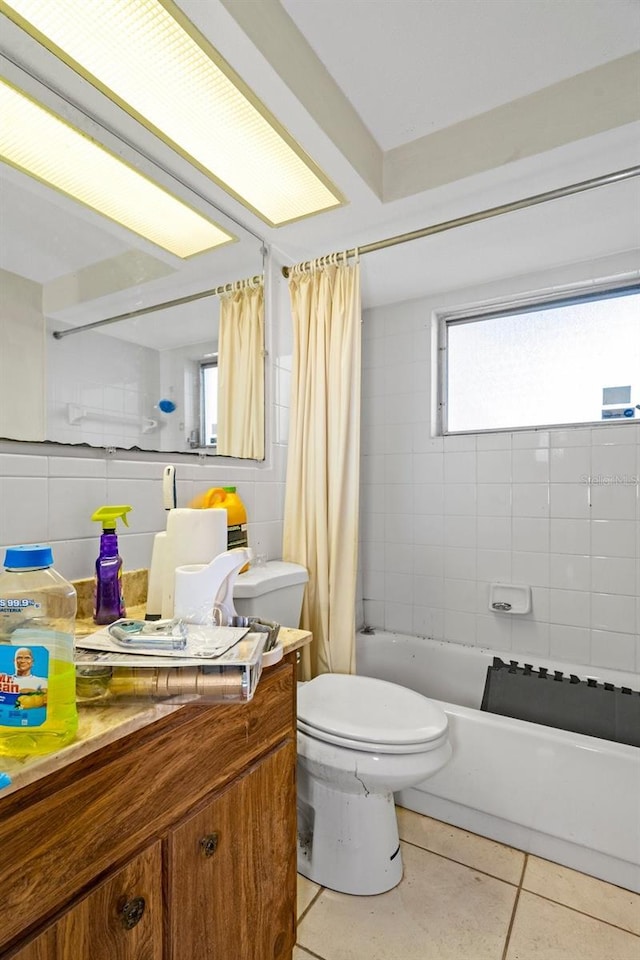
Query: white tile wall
[556, 509]
[56, 507]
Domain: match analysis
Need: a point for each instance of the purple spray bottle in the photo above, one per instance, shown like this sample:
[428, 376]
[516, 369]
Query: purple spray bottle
[108, 602]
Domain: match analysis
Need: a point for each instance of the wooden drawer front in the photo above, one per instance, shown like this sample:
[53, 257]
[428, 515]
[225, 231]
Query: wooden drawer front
[105, 925]
[239, 849]
[61, 843]
[121, 919]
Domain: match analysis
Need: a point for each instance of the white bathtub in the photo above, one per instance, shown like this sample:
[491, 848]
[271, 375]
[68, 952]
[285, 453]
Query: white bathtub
[564, 796]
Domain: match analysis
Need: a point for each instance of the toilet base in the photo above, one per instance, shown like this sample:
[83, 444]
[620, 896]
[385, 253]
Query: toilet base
[347, 842]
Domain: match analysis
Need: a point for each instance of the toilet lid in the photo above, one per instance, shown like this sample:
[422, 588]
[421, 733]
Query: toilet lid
[368, 710]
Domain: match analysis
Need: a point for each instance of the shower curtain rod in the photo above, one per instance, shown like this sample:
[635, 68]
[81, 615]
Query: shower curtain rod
[217, 291]
[567, 191]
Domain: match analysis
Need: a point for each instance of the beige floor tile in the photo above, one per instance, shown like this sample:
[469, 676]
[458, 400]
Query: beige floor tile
[468, 848]
[306, 892]
[441, 911]
[548, 931]
[595, 897]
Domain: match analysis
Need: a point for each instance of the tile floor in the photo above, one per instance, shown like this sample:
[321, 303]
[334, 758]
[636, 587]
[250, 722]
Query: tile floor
[464, 897]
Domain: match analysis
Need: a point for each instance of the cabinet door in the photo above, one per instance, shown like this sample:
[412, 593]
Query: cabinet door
[121, 919]
[232, 869]
[41, 949]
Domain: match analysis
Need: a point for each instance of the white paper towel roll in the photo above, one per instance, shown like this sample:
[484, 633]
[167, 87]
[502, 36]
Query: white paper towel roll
[193, 536]
[193, 599]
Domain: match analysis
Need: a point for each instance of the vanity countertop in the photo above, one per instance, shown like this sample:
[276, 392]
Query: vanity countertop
[289, 638]
[98, 726]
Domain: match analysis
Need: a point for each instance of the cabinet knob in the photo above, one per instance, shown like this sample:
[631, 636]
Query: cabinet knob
[209, 844]
[131, 912]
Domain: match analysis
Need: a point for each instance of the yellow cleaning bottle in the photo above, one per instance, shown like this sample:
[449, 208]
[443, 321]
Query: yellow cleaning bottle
[38, 711]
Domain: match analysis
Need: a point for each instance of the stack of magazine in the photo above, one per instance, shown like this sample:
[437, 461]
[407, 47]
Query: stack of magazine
[133, 660]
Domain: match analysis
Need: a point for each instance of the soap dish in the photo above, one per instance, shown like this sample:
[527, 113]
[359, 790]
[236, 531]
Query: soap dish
[509, 598]
[273, 656]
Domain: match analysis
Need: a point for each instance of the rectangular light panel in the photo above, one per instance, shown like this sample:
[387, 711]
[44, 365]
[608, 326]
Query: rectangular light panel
[42, 145]
[149, 59]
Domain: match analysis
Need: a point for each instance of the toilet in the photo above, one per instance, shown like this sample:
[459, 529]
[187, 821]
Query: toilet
[359, 741]
[271, 591]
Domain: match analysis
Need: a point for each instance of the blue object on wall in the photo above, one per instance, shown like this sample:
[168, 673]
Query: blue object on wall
[167, 406]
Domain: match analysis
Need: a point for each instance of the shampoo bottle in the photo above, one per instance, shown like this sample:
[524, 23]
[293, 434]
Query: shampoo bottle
[38, 712]
[108, 599]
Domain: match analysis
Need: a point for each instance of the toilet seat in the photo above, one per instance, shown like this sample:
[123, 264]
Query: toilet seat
[363, 713]
[367, 746]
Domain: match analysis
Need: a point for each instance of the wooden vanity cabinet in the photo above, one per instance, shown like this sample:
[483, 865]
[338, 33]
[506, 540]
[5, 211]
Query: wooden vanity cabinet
[175, 842]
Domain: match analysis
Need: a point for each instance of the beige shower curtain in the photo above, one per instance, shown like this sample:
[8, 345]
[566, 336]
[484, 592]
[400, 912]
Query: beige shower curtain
[322, 491]
[241, 374]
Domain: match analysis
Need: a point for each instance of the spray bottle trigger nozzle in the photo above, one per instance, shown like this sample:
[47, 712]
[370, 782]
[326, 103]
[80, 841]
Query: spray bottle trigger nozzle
[108, 516]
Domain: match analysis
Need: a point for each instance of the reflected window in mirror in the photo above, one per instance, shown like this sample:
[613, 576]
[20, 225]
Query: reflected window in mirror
[209, 402]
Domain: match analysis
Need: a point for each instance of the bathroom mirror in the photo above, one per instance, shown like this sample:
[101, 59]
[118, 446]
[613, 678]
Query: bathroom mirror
[133, 384]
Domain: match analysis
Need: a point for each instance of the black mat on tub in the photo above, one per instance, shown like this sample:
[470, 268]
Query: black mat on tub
[553, 699]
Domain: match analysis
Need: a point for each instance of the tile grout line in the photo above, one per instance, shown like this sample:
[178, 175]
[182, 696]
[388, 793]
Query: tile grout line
[589, 916]
[309, 905]
[461, 863]
[515, 907]
[311, 953]
[316, 956]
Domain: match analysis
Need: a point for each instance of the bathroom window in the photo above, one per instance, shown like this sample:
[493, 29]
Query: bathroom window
[209, 402]
[561, 361]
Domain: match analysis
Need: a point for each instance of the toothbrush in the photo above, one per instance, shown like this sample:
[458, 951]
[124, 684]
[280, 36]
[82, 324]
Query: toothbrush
[169, 500]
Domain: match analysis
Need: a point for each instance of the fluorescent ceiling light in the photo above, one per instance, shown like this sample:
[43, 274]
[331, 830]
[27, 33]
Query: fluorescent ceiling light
[148, 58]
[42, 145]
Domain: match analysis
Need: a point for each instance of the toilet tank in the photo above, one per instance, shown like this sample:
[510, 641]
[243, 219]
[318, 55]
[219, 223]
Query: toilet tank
[272, 591]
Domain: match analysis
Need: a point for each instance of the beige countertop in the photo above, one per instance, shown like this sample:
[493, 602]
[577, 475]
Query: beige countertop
[98, 726]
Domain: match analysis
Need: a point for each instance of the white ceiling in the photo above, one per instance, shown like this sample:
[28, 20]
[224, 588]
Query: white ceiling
[380, 93]
[410, 68]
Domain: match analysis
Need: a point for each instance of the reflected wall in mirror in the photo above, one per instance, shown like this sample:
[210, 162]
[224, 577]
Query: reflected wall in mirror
[64, 266]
